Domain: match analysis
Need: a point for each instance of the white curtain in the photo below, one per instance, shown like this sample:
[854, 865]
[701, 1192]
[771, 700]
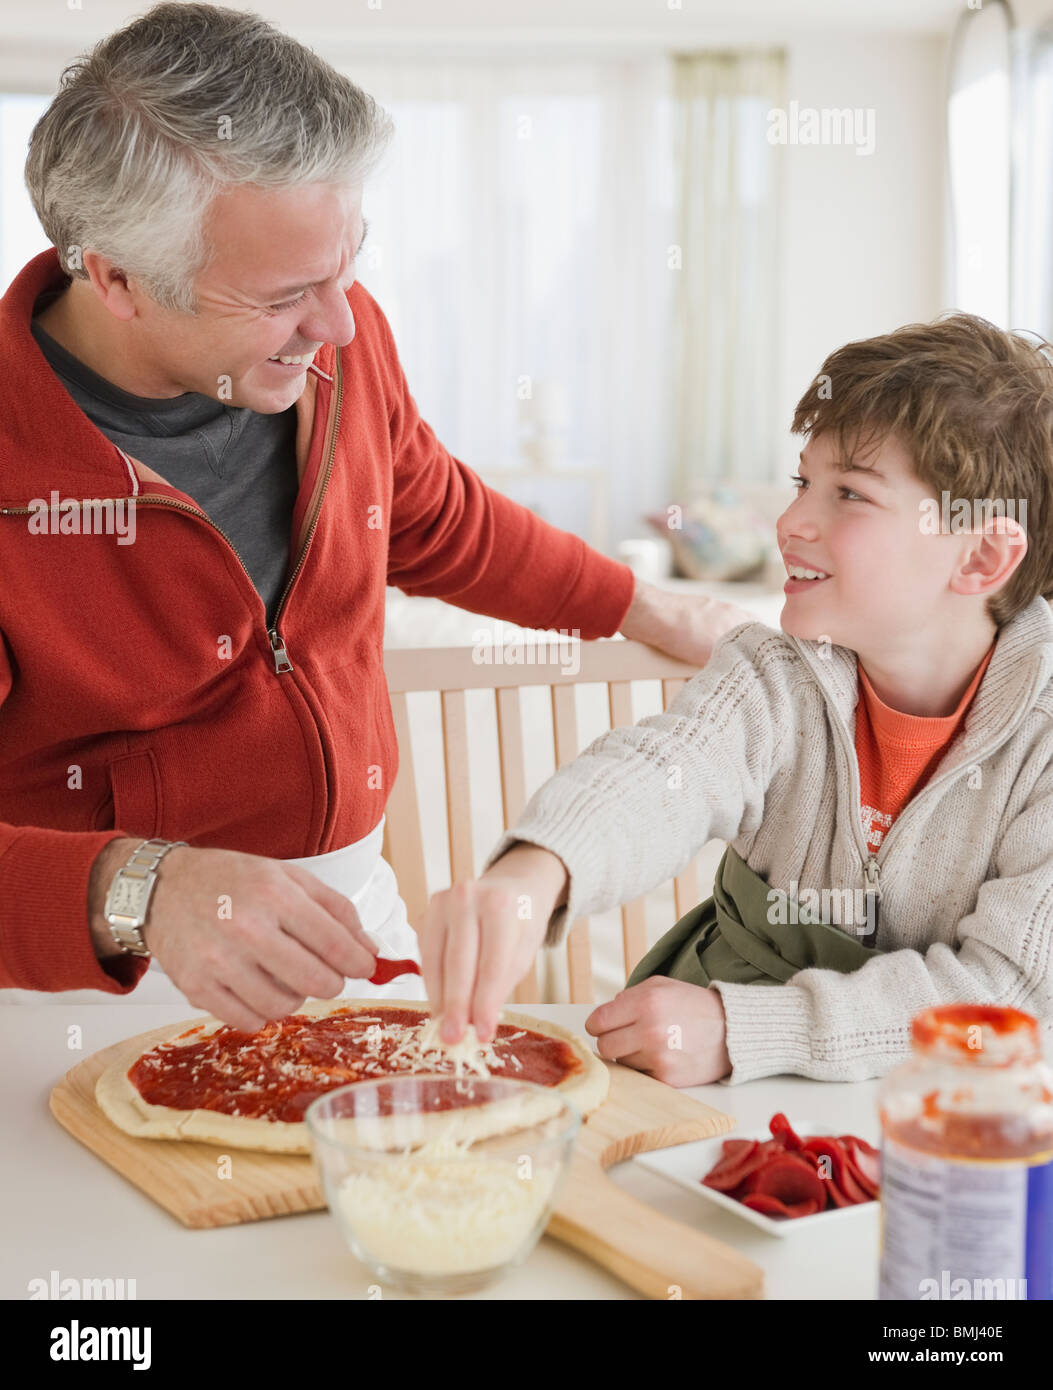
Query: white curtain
[518, 238]
[727, 229]
[1032, 260]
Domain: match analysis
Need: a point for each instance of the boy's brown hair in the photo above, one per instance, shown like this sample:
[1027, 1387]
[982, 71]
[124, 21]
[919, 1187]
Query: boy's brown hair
[972, 405]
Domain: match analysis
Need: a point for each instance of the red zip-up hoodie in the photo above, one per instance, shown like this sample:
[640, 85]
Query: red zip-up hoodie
[141, 692]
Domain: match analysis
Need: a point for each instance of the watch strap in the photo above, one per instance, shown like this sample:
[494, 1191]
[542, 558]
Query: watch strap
[141, 868]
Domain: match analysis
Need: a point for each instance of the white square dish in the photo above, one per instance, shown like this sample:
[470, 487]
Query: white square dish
[687, 1165]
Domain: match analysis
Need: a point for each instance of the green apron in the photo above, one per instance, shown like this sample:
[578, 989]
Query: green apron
[729, 937]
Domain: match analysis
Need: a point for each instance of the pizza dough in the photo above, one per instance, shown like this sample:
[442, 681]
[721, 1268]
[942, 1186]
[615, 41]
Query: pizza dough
[124, 1105]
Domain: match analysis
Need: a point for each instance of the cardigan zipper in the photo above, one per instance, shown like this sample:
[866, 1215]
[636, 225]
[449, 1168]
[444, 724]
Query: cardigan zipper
[872, 898]
[871, 861]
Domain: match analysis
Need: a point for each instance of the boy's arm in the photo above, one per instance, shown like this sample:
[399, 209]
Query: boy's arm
[835, 1027]
[634, 808]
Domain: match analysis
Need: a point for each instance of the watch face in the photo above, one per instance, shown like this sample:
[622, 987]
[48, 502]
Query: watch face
[127, 897]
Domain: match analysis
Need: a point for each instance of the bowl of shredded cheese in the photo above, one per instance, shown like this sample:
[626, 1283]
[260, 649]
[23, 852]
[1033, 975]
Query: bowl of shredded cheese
[441, 1184]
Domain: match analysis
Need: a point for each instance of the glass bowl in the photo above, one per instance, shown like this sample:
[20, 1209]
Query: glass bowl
[441, 1184]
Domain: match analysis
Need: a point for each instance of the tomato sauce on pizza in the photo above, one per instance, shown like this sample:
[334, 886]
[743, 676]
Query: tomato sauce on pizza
[276, 1073]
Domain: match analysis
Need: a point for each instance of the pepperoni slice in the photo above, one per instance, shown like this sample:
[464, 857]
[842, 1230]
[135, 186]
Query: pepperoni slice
[864, 1167]
[840, 1174]
[781, 1128]
[771, 1206]
[387, 970]
[738, 1148]
[729, 1172]
[787, 1176]
[789, 1179]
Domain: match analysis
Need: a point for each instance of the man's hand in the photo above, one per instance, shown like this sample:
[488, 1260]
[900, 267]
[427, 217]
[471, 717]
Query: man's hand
[477, 939]
[687, 626]
[671, 1029]
[287, 937]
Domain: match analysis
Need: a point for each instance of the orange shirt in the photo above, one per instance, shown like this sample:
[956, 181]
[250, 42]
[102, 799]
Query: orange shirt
[898, 753]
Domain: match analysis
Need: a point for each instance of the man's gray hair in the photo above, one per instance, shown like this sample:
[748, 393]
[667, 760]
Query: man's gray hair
[168, 112]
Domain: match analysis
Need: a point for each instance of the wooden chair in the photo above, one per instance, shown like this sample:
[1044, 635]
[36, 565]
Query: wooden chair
[451, 671]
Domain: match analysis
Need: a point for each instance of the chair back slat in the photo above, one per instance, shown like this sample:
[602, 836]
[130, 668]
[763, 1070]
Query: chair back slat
[510, 752]
[634, 933]
[513, 799]
[634, 914]
[579, 948]
[564, 724]
[620, 703]
[403, 844]
[454, 670]
[458, 799]
[670, 690]
[579, 963]
[685, 890]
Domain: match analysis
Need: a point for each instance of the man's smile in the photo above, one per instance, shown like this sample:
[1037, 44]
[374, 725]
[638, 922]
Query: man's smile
[291, 364]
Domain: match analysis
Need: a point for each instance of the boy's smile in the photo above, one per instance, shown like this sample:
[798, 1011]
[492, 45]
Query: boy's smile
[804, 574]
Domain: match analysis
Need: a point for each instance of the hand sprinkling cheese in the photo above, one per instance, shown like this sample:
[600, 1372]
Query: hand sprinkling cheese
[469, 1054]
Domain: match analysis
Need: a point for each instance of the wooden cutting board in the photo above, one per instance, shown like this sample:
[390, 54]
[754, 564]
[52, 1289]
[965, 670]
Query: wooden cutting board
[654, 1254]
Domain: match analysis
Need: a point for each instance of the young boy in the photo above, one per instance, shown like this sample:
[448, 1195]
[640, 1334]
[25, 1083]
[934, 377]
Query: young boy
[891, 748]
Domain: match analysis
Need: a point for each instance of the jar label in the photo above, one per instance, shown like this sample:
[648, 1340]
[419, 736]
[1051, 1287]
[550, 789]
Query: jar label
[956, 1229]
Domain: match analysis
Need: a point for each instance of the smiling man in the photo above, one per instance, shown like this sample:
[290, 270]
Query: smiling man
[251, 315]
[196, 741]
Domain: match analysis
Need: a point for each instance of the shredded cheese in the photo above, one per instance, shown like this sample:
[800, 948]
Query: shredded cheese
[469, 1054]
[439, 1209]
[420, 1046]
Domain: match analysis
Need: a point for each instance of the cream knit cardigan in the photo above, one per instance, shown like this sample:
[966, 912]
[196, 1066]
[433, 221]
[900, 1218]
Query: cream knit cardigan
[759, 749]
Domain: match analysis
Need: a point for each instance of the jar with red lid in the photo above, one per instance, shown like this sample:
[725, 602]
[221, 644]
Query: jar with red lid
[967, 1159]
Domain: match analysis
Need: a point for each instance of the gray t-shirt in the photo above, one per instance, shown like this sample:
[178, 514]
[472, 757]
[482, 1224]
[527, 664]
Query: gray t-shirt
[237, 464]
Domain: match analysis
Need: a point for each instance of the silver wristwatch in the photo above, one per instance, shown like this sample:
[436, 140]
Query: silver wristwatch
[129, 895]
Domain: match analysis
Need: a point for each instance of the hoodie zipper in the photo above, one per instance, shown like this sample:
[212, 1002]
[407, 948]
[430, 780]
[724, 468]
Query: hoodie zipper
[278, 650]
[281, 656]
[282, 663]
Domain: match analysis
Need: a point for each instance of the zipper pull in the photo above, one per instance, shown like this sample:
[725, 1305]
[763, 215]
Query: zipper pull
[873, 900]
[281, 656]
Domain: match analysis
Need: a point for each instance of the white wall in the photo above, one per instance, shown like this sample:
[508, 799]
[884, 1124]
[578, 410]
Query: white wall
[862, 234]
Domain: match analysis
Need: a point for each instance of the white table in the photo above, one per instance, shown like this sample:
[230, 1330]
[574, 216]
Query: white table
[63, 1209]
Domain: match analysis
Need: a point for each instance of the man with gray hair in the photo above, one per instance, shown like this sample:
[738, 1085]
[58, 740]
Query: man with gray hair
[196, 741]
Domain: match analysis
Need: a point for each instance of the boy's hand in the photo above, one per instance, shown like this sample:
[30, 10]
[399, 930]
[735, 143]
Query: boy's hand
[669, 1028]
[478, 939]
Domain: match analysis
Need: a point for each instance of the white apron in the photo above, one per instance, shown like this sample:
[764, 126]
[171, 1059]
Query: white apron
[357, 871]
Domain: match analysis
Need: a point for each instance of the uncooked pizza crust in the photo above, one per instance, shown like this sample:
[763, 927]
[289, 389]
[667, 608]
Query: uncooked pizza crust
[122, 1103]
